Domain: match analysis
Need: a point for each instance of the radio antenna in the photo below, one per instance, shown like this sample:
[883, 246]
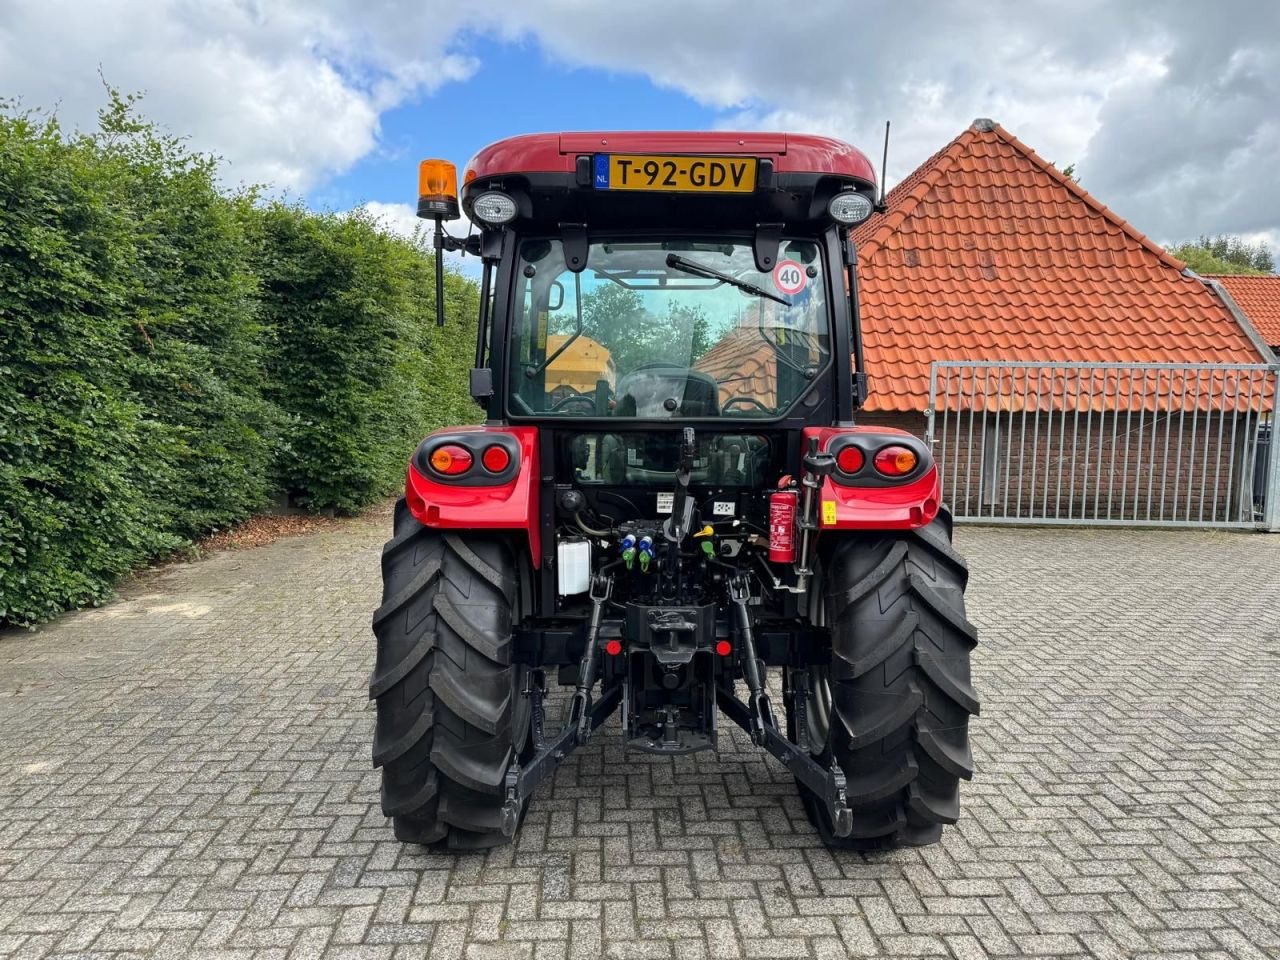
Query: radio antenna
[884, 167]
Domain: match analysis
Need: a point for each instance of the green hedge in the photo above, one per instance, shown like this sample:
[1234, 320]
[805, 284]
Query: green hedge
[195, 351]
[355, 364]
[73, 440]
[173, 357]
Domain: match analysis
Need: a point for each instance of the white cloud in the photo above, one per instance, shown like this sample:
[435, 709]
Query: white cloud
[402, 220]
[1194, 149]
[1167, 107]
[289, 92]
[842, 69]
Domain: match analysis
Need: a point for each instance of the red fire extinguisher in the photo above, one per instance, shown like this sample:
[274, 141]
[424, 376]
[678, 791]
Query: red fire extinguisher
[782, 526]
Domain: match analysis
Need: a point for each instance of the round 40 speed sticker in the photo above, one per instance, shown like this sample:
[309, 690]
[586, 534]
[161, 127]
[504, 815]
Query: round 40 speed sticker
[789, 277]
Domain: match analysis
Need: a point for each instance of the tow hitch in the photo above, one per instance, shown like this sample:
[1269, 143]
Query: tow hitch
[521, 781]
[671, 684]
[586, 715]
[757, 719]
[826, 782]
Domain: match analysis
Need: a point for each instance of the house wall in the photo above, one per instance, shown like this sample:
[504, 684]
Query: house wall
[1108, 466]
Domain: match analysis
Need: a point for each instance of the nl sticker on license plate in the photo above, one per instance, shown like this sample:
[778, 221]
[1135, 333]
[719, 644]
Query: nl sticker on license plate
[682, 174]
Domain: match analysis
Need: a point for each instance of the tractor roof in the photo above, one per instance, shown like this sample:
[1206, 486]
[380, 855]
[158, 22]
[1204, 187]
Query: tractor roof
[581, 178]
[558, 152]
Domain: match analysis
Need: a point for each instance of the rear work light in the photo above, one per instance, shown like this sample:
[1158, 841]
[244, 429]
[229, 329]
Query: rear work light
[496, 459]
[895, 461]
[849, 208]
[850, 460]
[451, 460]
[494, 208]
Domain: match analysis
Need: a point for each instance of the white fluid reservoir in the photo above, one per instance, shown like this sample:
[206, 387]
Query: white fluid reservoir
[573, 562]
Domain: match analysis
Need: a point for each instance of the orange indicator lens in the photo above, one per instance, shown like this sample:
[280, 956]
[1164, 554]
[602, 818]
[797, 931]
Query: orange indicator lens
[895, 461]
[451, 460]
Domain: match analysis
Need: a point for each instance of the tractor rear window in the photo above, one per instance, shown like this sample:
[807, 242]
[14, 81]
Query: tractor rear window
[666, 329]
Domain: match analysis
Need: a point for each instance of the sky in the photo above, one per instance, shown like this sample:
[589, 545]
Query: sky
[1168, 109]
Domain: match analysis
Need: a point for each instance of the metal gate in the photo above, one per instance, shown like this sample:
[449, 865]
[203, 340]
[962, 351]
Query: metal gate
[1146, 444]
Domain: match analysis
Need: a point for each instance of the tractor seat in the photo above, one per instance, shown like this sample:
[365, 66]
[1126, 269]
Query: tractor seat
[666, 390]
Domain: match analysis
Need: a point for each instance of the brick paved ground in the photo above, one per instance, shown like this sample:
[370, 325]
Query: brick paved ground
[185, 774]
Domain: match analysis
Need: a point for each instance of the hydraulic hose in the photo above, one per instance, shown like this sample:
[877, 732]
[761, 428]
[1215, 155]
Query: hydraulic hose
[591, 531]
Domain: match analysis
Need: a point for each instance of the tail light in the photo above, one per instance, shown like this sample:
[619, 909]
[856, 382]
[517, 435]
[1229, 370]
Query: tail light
[850, 459]
[451, 460]
[468, 458]
[895, 461]
[496, 459]
[782, 526]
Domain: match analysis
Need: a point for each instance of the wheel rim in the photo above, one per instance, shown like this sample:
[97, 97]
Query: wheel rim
[817, 703]
[521, 675]
[521, 712]
[816, 691]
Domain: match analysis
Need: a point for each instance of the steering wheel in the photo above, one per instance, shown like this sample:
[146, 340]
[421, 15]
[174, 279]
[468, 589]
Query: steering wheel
[574, 398]
[745, 400]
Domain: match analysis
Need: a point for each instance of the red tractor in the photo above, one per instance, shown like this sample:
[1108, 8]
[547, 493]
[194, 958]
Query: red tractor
[669, 497]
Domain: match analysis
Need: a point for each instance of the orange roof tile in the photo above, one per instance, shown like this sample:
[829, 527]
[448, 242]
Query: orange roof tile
[741, 363]
[987, 252]
[1259, 298]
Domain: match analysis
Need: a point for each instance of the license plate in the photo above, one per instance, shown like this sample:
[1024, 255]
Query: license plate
[685, 174]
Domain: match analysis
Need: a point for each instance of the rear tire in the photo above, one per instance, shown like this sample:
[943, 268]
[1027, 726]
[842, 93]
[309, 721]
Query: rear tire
[893, 707]
[451, 714]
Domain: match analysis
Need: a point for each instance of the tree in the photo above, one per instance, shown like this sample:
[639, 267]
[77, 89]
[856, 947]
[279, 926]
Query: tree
[682, 336]
[615, 317]
[1225, 254]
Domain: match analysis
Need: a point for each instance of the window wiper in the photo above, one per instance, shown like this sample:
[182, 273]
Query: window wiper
[701, 269]
[778, 350]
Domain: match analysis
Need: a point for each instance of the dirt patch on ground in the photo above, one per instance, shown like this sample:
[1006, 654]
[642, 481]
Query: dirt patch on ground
[260, 531]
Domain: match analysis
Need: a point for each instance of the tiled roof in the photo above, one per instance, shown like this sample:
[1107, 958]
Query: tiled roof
[987, 252]
[744, 367]
[1259, 298]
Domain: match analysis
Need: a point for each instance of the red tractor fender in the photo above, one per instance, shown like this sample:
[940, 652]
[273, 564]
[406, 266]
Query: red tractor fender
[476, 501]
[885, 505]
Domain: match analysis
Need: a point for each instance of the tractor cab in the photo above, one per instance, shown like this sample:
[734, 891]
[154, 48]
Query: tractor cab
[669, 494]
[669, 277]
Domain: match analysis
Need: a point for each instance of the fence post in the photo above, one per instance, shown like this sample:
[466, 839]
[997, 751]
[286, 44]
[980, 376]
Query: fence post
[933, 393]
[1271, 492]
